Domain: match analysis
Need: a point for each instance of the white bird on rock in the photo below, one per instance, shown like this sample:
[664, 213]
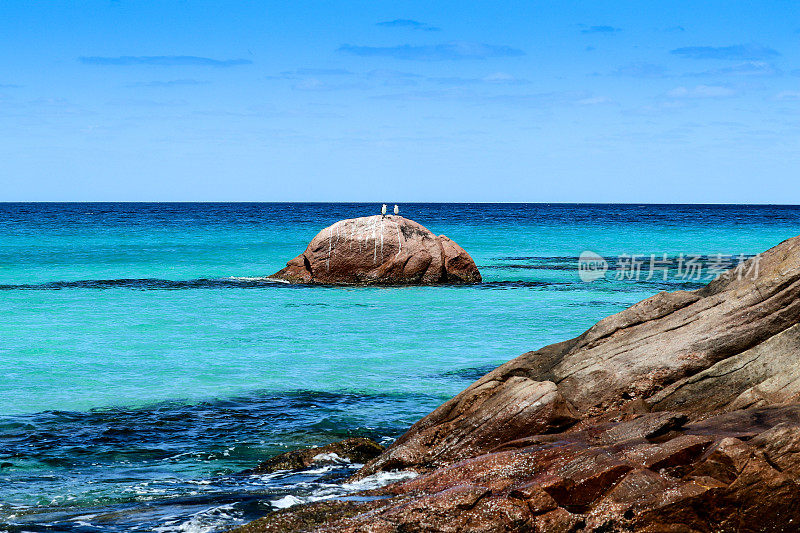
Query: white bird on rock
[396, 209]
[383, 210]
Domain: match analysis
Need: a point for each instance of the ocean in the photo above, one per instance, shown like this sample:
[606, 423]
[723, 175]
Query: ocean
[145, 362]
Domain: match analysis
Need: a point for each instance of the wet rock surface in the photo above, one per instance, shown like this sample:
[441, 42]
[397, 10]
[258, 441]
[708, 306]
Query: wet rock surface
[618, 476]
[380, 250]
[679, 414]
[355, 449]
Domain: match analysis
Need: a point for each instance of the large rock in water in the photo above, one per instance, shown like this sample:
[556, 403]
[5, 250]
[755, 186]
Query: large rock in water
[389, 250]
[679, 414]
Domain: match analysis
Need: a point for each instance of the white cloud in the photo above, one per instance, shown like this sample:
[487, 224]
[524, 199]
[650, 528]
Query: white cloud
[502, 77]
[788, 95]
[595, 100]
[435, 52]
[748, 68]
[701, 91]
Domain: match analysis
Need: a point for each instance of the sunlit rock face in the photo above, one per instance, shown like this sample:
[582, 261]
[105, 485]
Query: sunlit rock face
[380, 250]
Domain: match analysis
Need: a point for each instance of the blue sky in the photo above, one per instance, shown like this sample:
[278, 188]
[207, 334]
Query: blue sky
[597, 101]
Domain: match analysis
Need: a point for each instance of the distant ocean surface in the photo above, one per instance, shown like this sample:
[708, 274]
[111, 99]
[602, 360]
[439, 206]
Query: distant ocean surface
[143, 363]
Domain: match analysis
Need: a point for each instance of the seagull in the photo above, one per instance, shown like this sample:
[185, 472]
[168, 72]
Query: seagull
[396, 209]
[383, 210]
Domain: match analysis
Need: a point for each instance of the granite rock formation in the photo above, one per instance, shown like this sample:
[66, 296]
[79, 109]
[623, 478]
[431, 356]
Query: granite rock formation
[385, 250]
[736, 472]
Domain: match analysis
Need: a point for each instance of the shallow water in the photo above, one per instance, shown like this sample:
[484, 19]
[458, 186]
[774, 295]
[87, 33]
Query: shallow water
[145, 362]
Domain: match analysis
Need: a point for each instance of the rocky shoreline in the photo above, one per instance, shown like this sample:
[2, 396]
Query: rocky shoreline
[680, 413]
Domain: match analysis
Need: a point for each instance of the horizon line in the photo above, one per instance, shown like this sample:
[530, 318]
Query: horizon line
[217, 202]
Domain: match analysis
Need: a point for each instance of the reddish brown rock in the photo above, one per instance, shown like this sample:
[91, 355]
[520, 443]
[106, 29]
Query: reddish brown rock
[688, 480]
[355, 449]
[388, 250]
[538, 500]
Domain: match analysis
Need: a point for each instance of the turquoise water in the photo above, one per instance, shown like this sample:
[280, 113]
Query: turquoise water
[144, 363]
